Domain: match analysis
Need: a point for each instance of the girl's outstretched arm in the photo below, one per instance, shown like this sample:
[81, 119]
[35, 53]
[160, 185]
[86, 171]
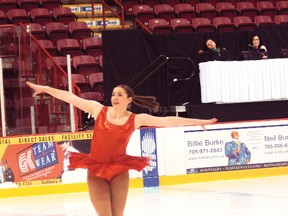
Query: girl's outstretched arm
[170, 121]
[89, 106]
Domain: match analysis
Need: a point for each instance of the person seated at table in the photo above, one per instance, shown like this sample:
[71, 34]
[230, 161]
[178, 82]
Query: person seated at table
[256, 49]
[212, 52]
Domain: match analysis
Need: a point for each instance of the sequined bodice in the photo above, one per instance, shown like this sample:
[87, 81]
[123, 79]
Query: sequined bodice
[109, 141]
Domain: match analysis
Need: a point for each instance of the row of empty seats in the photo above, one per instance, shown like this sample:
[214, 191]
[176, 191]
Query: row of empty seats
[57, 30]
[90, 46]
[128, 4]
[50, 25]
[218, 24]
[184, 10]
[5, 5]
[86, 73]
[93, 84]
[80, 64]
[37, 15]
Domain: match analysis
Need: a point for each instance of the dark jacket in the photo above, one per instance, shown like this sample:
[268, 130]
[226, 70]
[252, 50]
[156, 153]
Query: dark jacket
[214, 55]
[9, 175]
[256, 54]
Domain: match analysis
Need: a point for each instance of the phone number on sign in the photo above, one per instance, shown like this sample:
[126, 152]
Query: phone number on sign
[271, 146]
[204, 151]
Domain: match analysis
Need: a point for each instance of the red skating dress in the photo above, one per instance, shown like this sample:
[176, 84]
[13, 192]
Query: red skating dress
[108, 157]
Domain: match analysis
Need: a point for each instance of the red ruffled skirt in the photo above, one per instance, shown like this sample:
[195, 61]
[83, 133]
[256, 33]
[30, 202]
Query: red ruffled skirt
[107, 170]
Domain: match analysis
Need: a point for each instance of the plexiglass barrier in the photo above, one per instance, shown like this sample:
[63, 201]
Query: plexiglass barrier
[24, 59]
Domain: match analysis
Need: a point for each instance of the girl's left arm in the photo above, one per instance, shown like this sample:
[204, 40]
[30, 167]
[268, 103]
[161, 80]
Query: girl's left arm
[170, 121]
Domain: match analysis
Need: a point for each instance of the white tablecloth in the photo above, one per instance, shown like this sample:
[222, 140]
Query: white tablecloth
[244, 81]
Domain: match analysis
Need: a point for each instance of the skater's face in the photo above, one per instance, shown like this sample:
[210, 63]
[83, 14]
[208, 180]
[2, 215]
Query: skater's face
[120, 97]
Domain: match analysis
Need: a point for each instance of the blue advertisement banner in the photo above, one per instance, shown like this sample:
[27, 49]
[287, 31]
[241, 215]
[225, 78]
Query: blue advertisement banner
[237, 147]
[36, 157]
[149, 149]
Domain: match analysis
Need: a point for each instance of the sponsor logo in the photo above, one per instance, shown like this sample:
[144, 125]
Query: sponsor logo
[108, 22]
[75, 9]
[148, 147]
[97, 8]
[37, 157]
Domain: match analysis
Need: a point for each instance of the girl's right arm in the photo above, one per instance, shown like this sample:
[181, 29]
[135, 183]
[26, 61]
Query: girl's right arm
[89, 106]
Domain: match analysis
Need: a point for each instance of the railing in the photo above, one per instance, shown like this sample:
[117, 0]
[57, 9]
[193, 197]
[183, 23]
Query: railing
[105, 5]
[10, 67]
[161, 63]
[158, 64]
[53, 76]
[25, 59]
[137, 22]
[154, 67]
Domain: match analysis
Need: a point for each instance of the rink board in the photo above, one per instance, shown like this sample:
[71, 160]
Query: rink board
[178, 156]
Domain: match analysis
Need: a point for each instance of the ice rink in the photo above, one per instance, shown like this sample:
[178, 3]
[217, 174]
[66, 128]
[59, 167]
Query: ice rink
[249, 197]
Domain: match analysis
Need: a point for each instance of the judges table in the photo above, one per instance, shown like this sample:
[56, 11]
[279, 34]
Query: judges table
[244, 81]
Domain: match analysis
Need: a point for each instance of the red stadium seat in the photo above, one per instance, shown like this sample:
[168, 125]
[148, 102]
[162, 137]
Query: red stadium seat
[282, 7]
[16, 16]
[244, 23]
[28, 4]
[64, 15]
[263, 20]
[80, 30]
[96, 82]
[56, 31]
[281, 19]
[165, 11]
[85, 64]
[50, 48]
[36, 30]
[92, 46]
[128, 6]
[143, 13]
[202, 24]
[159, 26]
[96, 96]
[6, 5]
[60, 60]
[267, 8]
[3, 18]
[81, 82]
[206, 10]
[181, 25]
[247, 9]
[50, 4]
[41, 15]
[69, 46]
[223, 24]
[226, 9]
[77, 79]
[185, 10]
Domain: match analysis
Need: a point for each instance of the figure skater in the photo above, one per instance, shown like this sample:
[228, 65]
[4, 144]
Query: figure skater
[108, 164]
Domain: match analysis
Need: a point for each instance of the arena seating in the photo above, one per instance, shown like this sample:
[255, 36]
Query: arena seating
[181, 25]
[159, 26]
[56, 26]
